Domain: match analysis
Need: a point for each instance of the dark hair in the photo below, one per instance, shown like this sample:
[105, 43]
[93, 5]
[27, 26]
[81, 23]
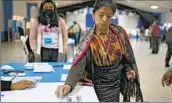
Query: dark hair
[61, 15]
[74, 22]
[104, 3]
[42, 18]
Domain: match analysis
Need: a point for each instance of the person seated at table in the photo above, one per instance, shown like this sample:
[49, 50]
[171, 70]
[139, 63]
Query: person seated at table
[8, 85]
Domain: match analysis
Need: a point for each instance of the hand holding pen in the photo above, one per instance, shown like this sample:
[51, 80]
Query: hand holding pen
[62, 90]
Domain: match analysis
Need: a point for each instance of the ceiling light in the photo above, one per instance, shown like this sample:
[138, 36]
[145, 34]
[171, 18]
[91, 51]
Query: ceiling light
[56, 3]
[33, 7]
[154, 7]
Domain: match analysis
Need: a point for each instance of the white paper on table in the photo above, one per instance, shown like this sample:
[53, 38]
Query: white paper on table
[64, 77]
[43, 68]
[36, 94]
[32, 65]
[6, 67]
[67, 66]
[6, 78]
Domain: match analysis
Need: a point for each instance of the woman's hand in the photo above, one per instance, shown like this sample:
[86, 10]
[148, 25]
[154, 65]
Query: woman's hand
[131, 75]
[167, 78]
[63, 90]
[21, 85]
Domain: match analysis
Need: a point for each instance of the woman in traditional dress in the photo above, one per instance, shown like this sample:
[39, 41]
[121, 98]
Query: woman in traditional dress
[104, 59]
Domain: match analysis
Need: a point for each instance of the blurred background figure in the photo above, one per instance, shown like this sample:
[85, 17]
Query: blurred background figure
[155, 33]
[164, 32]
[77, 32]
[169, 46]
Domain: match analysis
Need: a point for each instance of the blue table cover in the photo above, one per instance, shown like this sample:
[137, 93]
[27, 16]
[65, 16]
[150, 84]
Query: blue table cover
[46, 77]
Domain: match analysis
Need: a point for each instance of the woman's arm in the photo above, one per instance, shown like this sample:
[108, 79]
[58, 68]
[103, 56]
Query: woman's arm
[20, 85]
[33, 36]
[64, 34]
[76, 72]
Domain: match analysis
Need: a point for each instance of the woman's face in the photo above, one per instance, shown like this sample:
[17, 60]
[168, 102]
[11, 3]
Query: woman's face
[103, 17]
[48, 6]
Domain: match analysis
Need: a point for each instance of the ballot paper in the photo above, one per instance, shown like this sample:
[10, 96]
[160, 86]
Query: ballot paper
[43, 68]
[32, 65]
[67, 66]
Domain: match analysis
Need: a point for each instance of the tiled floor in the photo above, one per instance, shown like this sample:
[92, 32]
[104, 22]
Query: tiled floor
[151, 68]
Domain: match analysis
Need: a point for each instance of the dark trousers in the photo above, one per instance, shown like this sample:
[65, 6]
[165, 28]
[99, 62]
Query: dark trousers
[169, 53]
[49, 55]
[150, 41]
[155, 44]
[78, 36]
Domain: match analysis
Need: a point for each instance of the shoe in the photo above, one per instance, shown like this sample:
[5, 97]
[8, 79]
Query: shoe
[167, 65]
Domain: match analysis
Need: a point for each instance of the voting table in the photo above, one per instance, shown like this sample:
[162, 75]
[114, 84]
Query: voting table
[45, 90]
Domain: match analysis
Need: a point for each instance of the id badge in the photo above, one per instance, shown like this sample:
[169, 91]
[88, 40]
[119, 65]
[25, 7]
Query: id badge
[48, 40]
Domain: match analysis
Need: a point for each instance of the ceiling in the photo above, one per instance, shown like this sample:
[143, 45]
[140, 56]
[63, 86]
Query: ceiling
[60, 3]
[164, 5]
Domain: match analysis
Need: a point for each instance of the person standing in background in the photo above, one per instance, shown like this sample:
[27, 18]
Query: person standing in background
[169, 46]
[147, 34]
[48, 36]
[155, 33]
[150, 36]
[164, 32]
[77, 32]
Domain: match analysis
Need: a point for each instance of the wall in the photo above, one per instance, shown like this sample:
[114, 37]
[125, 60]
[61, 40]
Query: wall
[79, 18]
[167, 17]
[1, 21]
[128, 21]
[22, 8]
[34, 12]
[19, 8]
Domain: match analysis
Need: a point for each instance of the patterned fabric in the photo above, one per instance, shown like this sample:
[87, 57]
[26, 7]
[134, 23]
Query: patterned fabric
[127, 51]
[86, 40]
[107, 83]
[106, 49]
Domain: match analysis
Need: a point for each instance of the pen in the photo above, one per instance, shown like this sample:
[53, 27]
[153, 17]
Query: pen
[14, 77]
[61, 92]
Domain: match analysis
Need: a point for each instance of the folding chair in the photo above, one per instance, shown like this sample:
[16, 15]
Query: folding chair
[24, 39]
